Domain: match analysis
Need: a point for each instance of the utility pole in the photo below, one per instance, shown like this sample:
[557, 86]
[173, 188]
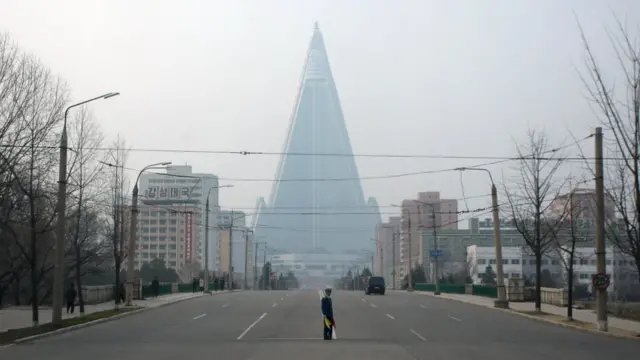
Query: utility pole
[410, 275]
[502, 301]
[435, 247]
[255, 267]
[60, 244]
[381, 263]
[206, 245]
[601, 301]
[246, 258]
[231, 252]
[393, 261]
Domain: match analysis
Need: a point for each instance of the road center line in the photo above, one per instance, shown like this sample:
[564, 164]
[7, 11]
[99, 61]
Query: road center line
[454, 318]
[274, 305]
[199, 316]
[251, 326]
[365, 300]
[418, 335]
[390, 317]
[373, 305]
[424, 307]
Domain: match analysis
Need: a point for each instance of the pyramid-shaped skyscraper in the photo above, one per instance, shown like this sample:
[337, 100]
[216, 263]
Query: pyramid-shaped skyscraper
[317, 203]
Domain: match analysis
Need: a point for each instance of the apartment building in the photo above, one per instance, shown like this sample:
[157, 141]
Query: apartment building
[417, 217]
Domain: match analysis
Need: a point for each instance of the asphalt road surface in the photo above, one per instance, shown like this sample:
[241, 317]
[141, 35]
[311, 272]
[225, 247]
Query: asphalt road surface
[281, 325]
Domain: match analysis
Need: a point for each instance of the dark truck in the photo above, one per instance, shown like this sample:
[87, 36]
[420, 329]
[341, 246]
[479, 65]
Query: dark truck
[375, 286]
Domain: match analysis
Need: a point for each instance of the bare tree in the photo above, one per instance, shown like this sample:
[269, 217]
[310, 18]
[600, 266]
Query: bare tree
[85, 183]
[568, 236]
[536, 185]
[190, 271]
[117, 160]
[618, 109]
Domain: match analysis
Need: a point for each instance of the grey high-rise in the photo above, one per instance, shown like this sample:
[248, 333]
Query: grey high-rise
[317, 203]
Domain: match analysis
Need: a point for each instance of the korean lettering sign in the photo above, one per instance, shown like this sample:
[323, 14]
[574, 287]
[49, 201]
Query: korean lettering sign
[163, 192]
[188, 237]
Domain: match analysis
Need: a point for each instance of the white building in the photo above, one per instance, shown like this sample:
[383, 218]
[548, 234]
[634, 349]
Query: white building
[516, 263]
[624, 280]
[180, 185]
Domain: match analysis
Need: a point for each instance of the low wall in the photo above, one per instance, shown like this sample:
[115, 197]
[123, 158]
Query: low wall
[557, 297]
[97, 294]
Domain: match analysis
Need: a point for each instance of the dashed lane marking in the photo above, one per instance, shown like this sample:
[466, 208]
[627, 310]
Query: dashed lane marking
[251, 326]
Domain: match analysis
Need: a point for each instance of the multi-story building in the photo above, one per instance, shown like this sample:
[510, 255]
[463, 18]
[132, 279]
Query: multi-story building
[517, 263]
[388, 246]
[234, 232]
[417, 217]
[167, 232]
[581, 204]
[452, 244]
[623, 282]
[180, 186]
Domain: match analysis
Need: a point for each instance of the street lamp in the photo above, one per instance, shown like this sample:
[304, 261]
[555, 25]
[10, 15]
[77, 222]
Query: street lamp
[58, 272]
[206, 238]
[131, 252]
[502, 301]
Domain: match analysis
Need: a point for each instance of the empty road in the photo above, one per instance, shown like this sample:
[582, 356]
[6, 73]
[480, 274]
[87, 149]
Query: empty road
[278, 325]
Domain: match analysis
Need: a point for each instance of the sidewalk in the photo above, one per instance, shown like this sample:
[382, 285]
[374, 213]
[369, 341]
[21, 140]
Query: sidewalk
[587, 316]
[20, 317]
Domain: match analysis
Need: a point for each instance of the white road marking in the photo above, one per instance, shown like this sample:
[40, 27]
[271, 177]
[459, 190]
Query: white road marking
[424, 307]
[454, 318]
[281, 299]
[365, 300]
[373, 305]
[274, 305]
[251, 326]
[418, 335]
[390, 317]
[199, 316]
[225, 305]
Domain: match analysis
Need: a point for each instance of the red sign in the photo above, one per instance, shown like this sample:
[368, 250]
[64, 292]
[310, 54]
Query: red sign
[601, 281]
[188, 237]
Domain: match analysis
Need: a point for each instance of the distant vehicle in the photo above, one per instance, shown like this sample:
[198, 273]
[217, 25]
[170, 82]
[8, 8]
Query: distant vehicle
[376, 286]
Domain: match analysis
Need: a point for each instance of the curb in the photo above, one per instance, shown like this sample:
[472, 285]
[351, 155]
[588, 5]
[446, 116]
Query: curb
[99, 321]
[532, 317]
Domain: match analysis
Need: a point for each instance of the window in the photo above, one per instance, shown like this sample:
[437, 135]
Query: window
[482, 261]
[515, 261]
[584, 262]
[515, 275]
[555, 262]
[492, 261]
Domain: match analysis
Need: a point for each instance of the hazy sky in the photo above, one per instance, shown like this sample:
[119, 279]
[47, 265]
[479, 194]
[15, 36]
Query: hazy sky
[414, 76]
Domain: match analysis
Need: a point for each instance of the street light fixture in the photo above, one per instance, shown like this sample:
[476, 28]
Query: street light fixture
[206, 238]
[131, 251]
[58, 272]
[502, 301]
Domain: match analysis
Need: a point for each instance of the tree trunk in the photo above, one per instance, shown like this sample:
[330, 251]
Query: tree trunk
[34, 276]
[570, 289]
[79, 280]
[538, 256]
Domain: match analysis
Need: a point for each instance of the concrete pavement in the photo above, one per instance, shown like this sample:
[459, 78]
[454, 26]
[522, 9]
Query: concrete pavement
[20, 317]
[287, 325]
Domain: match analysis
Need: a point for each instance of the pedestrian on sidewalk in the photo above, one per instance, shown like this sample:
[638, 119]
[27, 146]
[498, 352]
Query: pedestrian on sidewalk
[122, 294]
[155, 286]
[201, 285]
[194, 285]
[215, 284]
[71, 299]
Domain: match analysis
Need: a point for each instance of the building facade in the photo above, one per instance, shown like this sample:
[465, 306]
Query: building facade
[235, 233]
[169, 233]
[388, 246]
[417, 218]
[316, 216]
[180, 186]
